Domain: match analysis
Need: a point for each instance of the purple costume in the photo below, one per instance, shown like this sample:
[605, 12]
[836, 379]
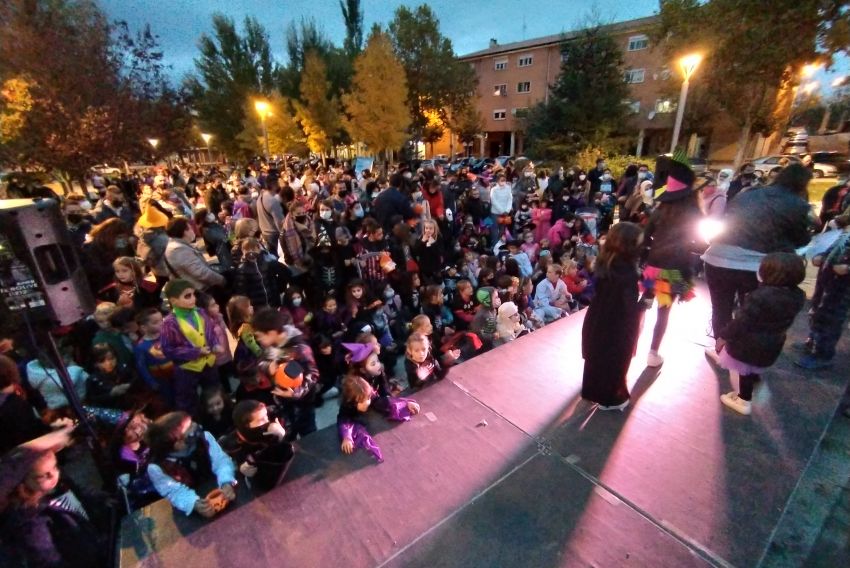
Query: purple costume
[352, 424]
[176, 347]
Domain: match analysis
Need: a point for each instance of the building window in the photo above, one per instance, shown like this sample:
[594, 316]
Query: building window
[634, 76]
[501, 64]
[525, 61]
[521, 112]
[664, 106]
[632, 106]
[500, 114]
[523, 87]
[638, 42]
[564, 56]
[500, 90]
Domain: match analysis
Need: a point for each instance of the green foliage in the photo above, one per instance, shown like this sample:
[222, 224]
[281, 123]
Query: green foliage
[586, 160]
[285, 135]
[585, 106]
[466, 121]
[229, 67]
[436, 80]
[377, 113]
[751, 50]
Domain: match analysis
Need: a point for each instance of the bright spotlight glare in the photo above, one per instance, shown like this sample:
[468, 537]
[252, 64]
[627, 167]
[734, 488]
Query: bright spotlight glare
[710, 228]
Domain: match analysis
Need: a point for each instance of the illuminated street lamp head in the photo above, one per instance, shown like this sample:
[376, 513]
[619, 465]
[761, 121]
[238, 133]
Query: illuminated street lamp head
[839, 81]
[262, 108]
[810, 69]
[154, 142]
[689, 64]
[206, 137]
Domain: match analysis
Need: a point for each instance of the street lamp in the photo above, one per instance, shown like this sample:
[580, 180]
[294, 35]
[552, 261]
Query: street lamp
[263, 110]
[154, 142]
[810, 69]
[207, 138]
[688, 64]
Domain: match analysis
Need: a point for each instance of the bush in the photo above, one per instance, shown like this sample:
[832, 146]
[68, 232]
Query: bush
[586, 159]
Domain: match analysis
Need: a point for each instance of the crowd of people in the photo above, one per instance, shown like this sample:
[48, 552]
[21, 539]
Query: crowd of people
[233, 303]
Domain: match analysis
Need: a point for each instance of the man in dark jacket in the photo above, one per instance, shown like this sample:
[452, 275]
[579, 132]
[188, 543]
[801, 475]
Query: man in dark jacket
[392, 202]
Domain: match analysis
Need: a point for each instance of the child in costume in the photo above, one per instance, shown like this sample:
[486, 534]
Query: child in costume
[129, 289]
[189, 339]
[420, 364]
[154, 368]
[753, 340]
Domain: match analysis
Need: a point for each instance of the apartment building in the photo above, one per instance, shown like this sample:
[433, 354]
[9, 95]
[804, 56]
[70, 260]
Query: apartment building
[513, 77]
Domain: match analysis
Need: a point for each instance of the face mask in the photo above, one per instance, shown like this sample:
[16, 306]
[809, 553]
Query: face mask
[358, 212]
[121, 243]
[417, 195]
[606, 177]
[529, 174]
[389, 293]
[301, 218]
[407, 175]
[296, 302]
[210, 218]
[85, 205]
[641, 175]
[582, 177]
[256, 435]
[326, 215]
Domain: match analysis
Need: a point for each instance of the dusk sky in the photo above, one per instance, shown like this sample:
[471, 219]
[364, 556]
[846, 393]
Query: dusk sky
[469, 24]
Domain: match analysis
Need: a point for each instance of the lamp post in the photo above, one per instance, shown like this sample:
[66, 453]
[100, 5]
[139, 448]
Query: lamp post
[688, 64]
[154, 142]
[207, 138]
[262, 108]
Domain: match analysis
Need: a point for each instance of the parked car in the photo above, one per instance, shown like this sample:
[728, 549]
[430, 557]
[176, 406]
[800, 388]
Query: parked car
[765, 164]
[106, 170]
[830, 164]
[425, 164]
[479, 166]
[462, 163]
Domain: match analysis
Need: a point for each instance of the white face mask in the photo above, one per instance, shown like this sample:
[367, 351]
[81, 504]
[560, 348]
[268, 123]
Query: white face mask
[641, 175]
[407, 175]
[582, 177]
[529, 174]
[417, 195]
[606, 177]
[326, 215]
[296, 302]
[210, 217]
[358, 212]
[389, 293]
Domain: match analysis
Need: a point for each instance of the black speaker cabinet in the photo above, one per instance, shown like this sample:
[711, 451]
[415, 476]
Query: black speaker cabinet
[40, 274]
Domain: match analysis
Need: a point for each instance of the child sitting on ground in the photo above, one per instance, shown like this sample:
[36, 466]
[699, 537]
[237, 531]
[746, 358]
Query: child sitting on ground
[420, 365]
[364, 361]
[216, 411]
[484, 323]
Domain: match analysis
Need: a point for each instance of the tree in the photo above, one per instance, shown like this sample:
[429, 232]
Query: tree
[319, 109]
[352, 15]
[285, 135]
[466, 122]
[377, 113]
[229, 67]
[585, 105]
[753, 55]
[436, 80]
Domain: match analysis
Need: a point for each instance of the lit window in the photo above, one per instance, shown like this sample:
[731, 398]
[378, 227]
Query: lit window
[501, 64]
[634, 76]
[638, 42]
[632, 106]
[500, 114]
[500, 90]
[523, 87]
[664, 106]
[525, 61]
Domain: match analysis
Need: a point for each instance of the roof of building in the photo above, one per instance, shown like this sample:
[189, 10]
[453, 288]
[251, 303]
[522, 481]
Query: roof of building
[558, 38]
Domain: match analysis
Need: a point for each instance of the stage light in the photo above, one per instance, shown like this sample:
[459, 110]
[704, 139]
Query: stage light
[710, 228]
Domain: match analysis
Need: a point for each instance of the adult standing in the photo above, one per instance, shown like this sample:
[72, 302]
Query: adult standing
[770, 219]
[113, 206]
[270, 217]
[670, 237]
[392, 202]
[595, 177]
[185, 261]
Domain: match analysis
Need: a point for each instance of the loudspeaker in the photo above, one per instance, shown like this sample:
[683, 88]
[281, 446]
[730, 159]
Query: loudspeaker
[40, 275]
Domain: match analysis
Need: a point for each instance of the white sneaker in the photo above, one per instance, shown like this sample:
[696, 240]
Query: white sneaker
[713, 355]
[736, 403]
[620, 407]
[654, 359]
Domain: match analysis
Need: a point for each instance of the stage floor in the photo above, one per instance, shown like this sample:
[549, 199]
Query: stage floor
[507, 466]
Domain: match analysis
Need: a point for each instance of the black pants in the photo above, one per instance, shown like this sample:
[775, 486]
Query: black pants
[272, 464]
[746, 385]
[726, 286]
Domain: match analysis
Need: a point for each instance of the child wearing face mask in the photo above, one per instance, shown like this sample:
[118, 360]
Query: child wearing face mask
[293, 305]
[541, 217]
[258, 445]
[252, 279]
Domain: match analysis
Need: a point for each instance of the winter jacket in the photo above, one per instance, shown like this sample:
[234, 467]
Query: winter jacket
[756, 333]
[670, 245]
[770, 219]
[187, 262]
[151, 249]
[252, 281]
[388, 204]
